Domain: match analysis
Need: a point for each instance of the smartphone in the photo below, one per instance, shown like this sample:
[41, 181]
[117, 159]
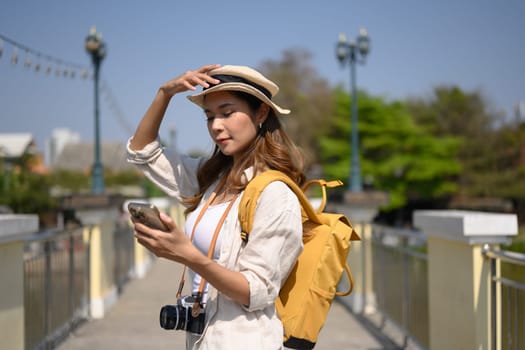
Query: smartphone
[147, 214]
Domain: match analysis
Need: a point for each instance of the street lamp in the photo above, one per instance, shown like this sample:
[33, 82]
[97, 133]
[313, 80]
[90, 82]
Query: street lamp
[97, 49]
[354, 51]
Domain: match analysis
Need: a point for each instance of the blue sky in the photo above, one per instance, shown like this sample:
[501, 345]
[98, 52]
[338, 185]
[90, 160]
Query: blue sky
[415, 45]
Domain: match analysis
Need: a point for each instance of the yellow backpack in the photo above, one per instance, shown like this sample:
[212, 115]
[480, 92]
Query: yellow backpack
[306, 296]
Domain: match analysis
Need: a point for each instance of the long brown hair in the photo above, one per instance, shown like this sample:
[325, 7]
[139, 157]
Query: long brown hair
[271, 149]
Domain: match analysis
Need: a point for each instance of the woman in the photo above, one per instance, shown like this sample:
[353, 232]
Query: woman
[244, 277]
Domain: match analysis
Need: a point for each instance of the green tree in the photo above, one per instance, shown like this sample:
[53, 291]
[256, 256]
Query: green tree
[450, 111]
[24, 191]
[397, 156]
[501, 170]
[306, 94]
[71, 181]
[122, 178]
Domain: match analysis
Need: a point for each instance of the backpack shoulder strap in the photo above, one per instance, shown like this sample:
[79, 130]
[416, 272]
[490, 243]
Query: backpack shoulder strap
[254, 189]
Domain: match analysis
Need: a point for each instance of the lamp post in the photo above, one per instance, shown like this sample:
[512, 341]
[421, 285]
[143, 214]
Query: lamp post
[354, 51]
[97, 49]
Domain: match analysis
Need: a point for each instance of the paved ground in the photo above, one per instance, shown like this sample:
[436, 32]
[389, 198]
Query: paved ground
[132, 323]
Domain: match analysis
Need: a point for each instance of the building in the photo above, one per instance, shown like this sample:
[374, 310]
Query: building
[14, 145]
[59, 139]
[80, 157]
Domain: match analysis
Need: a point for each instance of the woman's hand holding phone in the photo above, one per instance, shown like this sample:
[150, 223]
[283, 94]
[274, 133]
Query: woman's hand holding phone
[146, 214]
[162, 236]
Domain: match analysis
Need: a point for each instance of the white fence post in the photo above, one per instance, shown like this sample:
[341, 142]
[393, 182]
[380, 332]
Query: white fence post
[459, 275]
[13, 230]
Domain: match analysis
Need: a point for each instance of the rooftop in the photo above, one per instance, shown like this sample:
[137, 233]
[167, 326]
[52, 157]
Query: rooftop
[14, 145]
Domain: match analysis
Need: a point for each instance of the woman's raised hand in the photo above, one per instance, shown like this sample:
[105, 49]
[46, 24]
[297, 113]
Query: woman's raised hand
[189, 80]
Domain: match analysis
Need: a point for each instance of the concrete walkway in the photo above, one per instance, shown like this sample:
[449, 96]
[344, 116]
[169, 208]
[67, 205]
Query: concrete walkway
[132, 323]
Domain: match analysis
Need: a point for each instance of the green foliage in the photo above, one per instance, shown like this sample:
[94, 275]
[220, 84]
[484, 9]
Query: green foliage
[28, 193]
[397, 156]
[80, 182]
[306, 94]
[516, 246]
[490, 151]
[122, 178]
[514, 271]
[24, 191]
[452, 111]
[151, 189]
[73, 181]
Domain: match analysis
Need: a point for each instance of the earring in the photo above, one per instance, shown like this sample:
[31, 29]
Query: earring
[260, 125]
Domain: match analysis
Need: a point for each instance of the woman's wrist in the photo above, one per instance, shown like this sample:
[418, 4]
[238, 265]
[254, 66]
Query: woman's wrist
[195, 259]
[163, 94]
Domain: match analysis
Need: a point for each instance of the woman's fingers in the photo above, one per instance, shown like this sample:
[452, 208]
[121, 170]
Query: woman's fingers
[172, 244]
[168, 221]
[208, 67]
[200, 76]
[190, 80]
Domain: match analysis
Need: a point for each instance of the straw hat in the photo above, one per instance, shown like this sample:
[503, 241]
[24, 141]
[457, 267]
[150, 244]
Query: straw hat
[245, 79]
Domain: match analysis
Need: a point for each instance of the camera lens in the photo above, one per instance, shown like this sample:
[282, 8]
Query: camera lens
[171, 317]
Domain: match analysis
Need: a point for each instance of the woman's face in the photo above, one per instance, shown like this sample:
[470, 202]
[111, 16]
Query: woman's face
[231, 123]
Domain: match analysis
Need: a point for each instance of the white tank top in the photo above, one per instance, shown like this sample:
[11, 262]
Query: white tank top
[203, 236]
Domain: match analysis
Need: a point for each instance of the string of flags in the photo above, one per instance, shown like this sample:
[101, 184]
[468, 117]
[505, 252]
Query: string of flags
[114, 106]
[38, 61]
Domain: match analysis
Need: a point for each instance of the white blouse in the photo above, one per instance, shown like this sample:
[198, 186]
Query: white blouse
[203, 236]
[265, 260]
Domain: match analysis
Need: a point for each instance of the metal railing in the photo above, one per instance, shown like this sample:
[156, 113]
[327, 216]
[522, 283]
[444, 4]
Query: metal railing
[510, 284]
[400, 281]
[124, 265]
[56, 294]
[56, 280]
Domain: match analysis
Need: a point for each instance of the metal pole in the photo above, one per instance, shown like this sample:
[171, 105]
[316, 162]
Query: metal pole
[97, 171]
[355, 168]
[493, 304]
[48, 309]
[71, 281]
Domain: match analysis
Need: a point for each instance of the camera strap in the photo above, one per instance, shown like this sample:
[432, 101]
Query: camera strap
[197, 304]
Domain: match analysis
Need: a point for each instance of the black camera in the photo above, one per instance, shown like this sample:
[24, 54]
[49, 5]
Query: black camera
[180, 316]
